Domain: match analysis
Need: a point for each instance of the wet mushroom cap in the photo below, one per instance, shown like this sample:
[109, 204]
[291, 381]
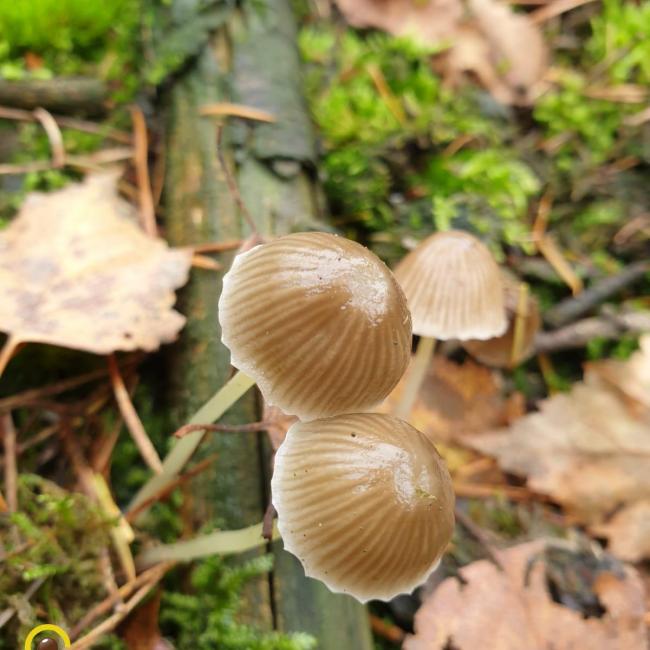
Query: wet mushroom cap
[453, 288]
[497, 352]
[365, 503]
[318, 321]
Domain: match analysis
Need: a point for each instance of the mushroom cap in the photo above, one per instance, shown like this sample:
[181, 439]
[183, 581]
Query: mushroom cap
[318, 321]
[497, 352]
[365, 503]
[453, 288]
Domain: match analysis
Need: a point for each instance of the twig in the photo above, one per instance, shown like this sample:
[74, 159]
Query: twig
[22, 115]
[8, 350]
[577, 335]
[91, 161]
[390, 632]
[54, 135]
[166, 490]
[123, 592]
[225, 428]
[7, 614]
[101, 453]
[131, 418]
[112, 622]
[141, 160]
[205, 262]
[221, 109]
[571, 308]
[479, 491]
[477, 533]
[554, 9]
[386, 93]
[217, 246]
[232, 185]
[267, 522]
[11, 470]
[108, 576]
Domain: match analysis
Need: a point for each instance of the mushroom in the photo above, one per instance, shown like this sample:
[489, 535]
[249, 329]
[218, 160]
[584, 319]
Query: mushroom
[516, 345]
[318, 321]
[454, 291]
[365, 503]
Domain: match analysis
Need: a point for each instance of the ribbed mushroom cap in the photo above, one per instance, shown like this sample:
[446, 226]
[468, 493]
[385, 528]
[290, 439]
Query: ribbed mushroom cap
[498, 351]
[318, 321]
[364, 502]
[453, 288]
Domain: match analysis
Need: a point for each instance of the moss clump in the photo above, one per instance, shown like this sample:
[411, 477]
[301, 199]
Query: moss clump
[206, 618]
[56, 537]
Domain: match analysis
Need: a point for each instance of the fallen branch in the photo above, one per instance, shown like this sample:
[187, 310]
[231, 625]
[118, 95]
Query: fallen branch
[578, 334]
[11, 471]
[571, 308]
[64, 94]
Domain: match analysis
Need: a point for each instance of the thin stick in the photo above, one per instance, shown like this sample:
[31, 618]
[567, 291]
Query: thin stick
[175, 460]
[108, 576]
[141, 160]
[54, 135]
[386, 93]
[554, 9]
[389, 631]
[113, 621]
[4, 507]
[22, 115]
[217, 246]
[123, 592]
[205, 262]
[225, 428]
[35, 394]
[11, 470]
[131, 418]
[232, 185]
[415, 377]
[7, 352]
[477, 533]
[221, 109]
[170, 487]
[482, 491]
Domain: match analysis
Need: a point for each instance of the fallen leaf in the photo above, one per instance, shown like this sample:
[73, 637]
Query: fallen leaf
[457, 399]
[513, 610]
[589, 450]
[518, 51]
[505, 50]
[77, 271]
[425, 20]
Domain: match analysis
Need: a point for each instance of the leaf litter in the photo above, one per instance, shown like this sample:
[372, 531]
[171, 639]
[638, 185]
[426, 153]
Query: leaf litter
[77, 271]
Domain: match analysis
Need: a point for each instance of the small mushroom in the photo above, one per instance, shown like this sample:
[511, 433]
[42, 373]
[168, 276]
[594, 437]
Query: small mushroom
[365, 503]
[318, 321]
[516, 345]
[454, 291]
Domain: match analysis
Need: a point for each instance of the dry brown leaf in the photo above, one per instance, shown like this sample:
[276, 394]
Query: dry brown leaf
[456, 399]
[76, 271]
[486, 38]
[588, 449]
[513, 610]
[518, 51]
[428, 21]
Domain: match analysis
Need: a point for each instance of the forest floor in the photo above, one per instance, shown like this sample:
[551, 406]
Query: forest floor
[526, 123]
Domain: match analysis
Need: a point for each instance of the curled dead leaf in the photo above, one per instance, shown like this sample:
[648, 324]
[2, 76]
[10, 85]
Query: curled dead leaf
[513, 609]
[76, 271]
[589, 450]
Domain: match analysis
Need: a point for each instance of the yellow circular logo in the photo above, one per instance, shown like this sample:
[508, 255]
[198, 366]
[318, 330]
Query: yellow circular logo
[61, 634]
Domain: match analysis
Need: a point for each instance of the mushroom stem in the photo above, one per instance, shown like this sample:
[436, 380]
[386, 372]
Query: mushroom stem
[520, 324]
[423, 355]
[181, 452]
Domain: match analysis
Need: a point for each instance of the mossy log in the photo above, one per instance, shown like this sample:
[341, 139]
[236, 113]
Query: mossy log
[253, 61]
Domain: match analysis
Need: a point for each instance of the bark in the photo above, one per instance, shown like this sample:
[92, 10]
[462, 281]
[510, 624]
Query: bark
[253, 61]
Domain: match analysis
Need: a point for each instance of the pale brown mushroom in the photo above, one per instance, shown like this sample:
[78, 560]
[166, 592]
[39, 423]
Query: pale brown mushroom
[318, 321]
[365, 503]
[516, 345]
[454, 290]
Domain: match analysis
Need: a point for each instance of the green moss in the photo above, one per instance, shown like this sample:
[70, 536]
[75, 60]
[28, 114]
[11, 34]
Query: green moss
[57, 537]
[206, 618]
